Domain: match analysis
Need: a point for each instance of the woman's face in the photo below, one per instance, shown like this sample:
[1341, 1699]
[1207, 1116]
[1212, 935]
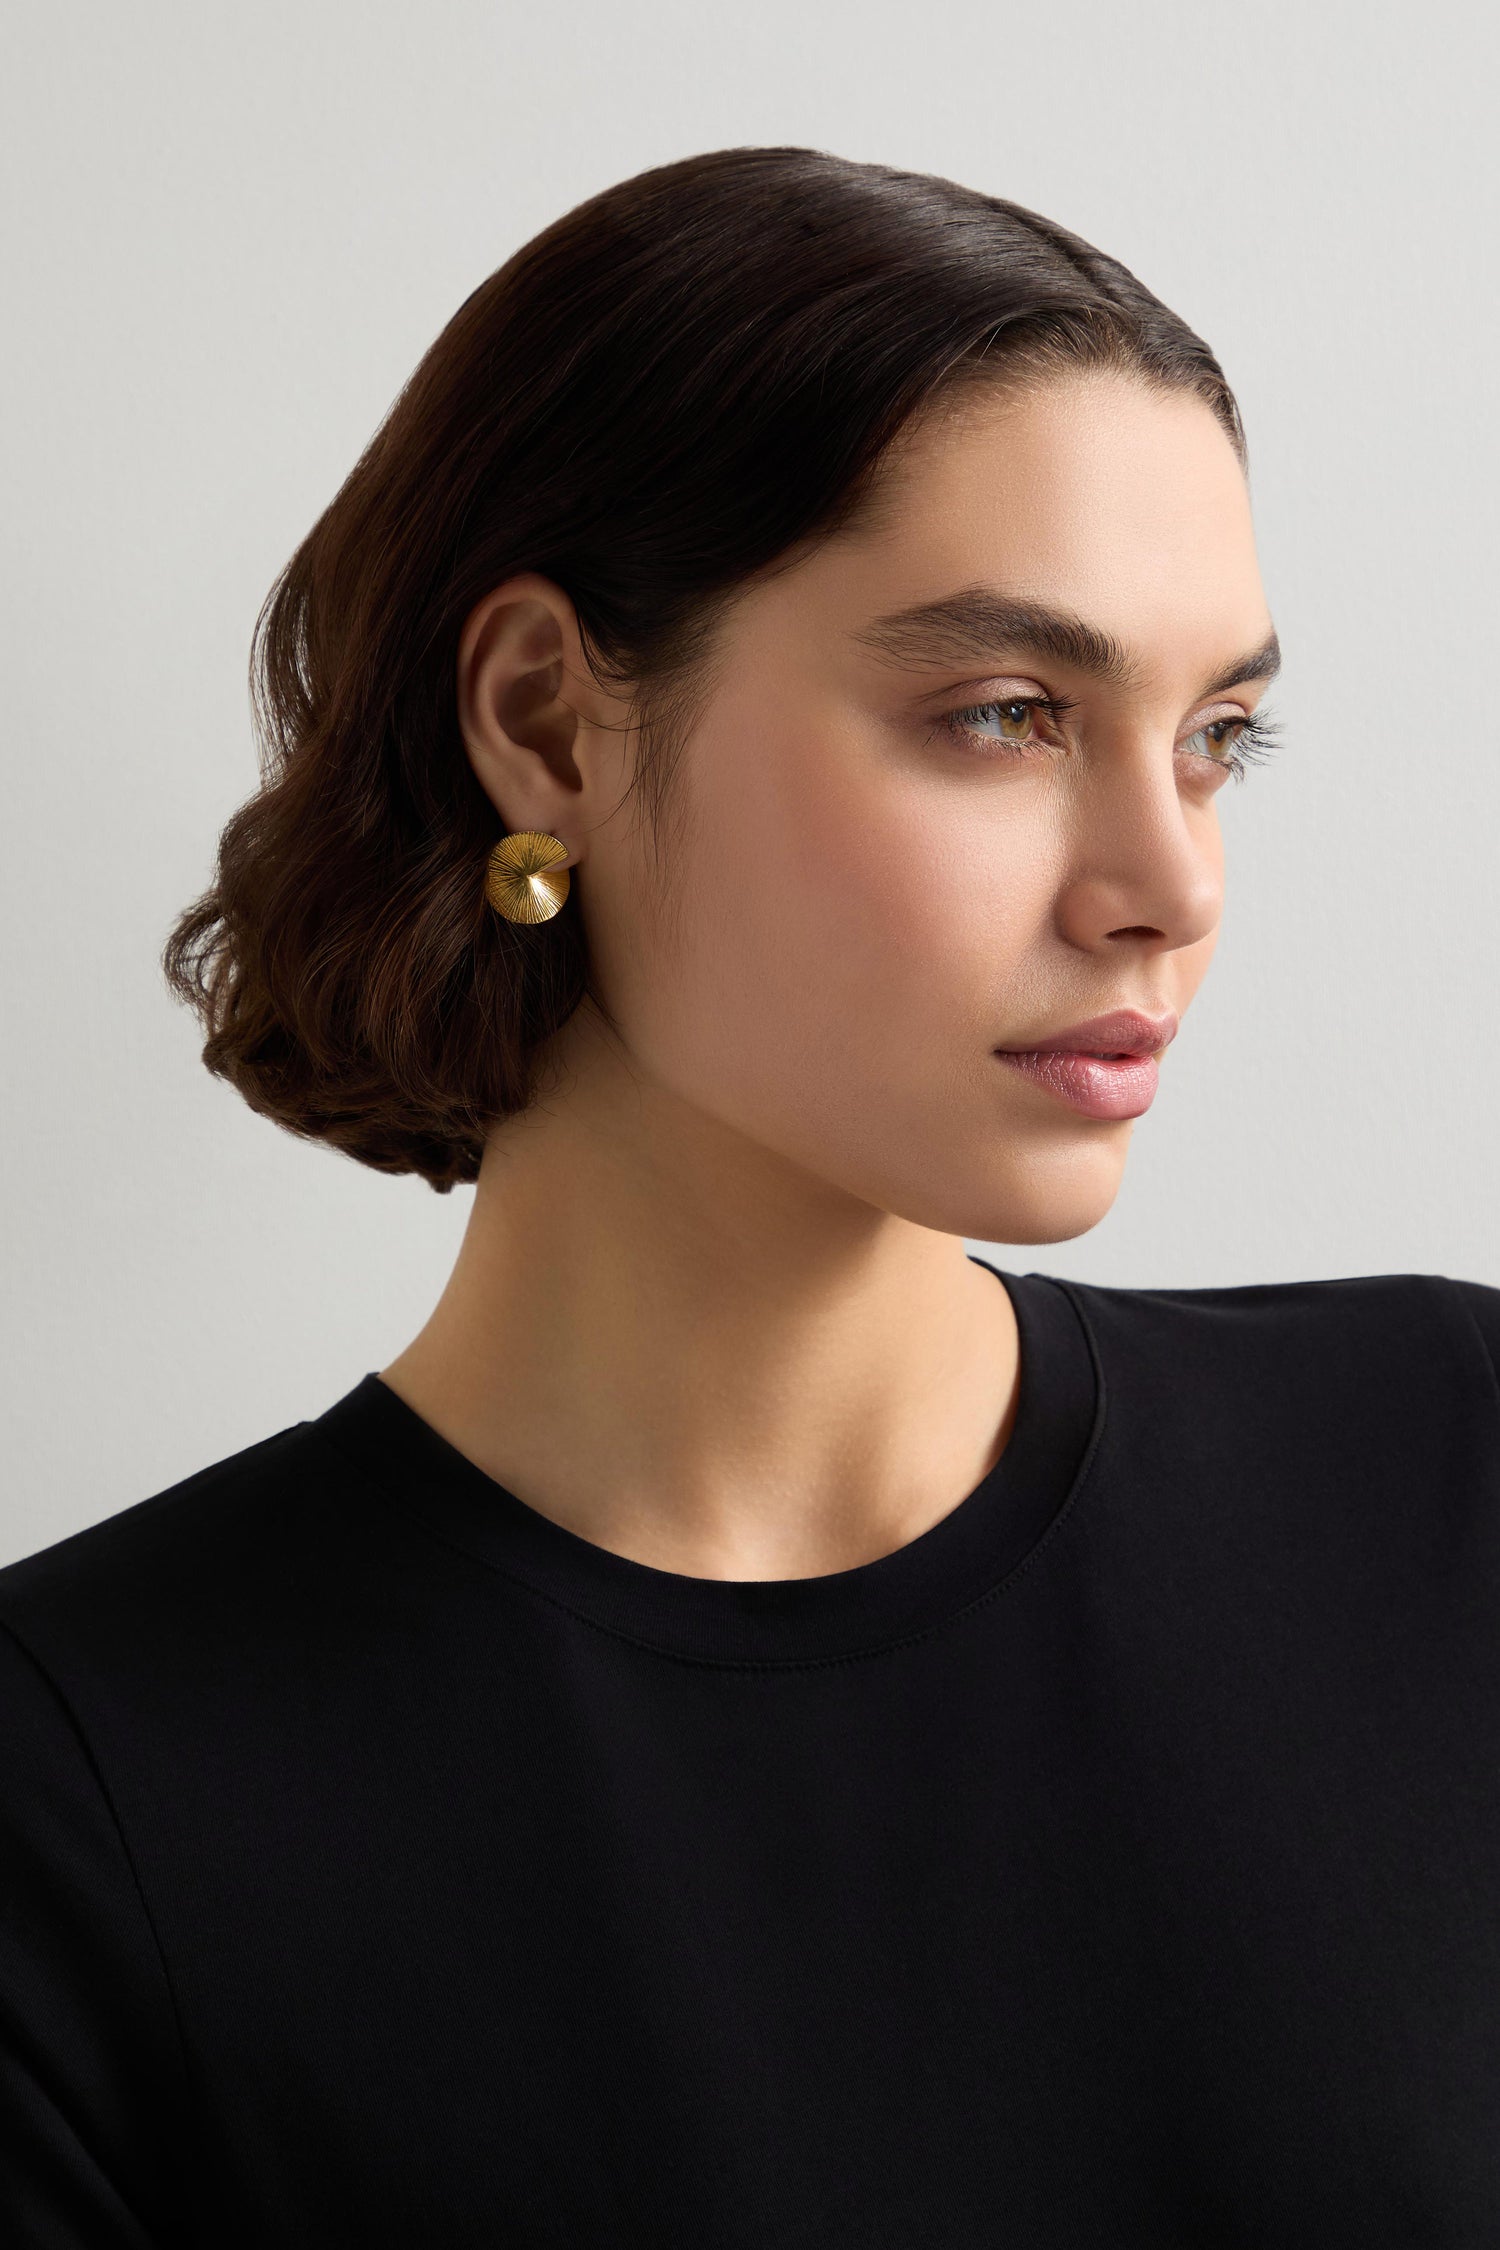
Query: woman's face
[890, 865]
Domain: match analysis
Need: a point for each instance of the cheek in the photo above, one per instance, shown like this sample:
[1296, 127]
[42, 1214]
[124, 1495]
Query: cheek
[852, 907]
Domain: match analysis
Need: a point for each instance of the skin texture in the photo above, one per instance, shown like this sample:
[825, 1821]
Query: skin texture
[713, 1309]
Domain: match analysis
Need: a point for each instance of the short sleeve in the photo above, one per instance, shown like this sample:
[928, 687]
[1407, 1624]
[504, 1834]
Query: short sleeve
[91, 2069]
[1483, 1306]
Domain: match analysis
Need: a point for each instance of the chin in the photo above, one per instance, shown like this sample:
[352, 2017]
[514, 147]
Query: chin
[1051, 1197]
[984, 1185]
[1036, 1226]
[1053, 1208]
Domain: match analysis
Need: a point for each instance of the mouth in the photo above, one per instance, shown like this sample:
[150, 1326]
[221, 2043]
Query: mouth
[1105, 1084]
[1121, 1032]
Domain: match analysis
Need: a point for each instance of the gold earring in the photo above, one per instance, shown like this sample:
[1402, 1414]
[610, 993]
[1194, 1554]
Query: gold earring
[522, 879]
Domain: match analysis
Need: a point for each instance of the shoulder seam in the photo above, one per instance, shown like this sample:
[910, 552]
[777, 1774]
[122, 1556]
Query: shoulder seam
[91, 1762]
[1456, 1297]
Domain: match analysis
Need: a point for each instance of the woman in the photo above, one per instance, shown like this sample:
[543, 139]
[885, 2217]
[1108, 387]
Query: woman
[759, 1727]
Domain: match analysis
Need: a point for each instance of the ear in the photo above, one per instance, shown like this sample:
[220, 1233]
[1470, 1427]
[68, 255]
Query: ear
[533, 719]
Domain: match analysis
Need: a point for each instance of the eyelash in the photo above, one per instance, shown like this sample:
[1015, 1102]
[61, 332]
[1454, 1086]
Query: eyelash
[1254, 743]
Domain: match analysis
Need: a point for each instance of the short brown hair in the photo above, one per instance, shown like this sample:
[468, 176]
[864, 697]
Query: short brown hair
[670, 387]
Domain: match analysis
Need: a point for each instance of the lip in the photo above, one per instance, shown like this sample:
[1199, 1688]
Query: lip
[1066, 1063]
[1124, 1031]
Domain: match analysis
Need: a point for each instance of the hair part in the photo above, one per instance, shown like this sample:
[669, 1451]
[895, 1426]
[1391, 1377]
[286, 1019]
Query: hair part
[677, 386]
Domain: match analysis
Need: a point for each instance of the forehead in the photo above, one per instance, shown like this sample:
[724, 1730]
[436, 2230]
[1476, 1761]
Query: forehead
[1090, 492]
[1093, 454]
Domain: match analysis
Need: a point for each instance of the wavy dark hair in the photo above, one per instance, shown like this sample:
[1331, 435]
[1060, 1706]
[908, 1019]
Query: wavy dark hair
[680, 381]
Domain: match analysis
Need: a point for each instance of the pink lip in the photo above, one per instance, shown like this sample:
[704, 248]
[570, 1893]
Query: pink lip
[1099, 1089]
[1123, 1031]
[1068, 1062]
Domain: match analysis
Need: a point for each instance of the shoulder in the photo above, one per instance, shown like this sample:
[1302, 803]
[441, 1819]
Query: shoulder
[1404, 1307]
[1402, 1351]
[236, 1538]
[1338, 1440]
[1481, 1305]
[138, 1658]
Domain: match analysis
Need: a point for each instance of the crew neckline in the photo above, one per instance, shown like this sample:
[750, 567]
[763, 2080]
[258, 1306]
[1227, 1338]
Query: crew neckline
[965, 1556]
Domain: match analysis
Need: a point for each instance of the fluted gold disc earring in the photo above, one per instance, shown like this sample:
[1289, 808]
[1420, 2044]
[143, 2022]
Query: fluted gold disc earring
[523, 880]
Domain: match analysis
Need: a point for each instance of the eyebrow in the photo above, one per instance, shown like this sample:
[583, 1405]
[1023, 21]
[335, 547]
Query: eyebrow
[981, 621]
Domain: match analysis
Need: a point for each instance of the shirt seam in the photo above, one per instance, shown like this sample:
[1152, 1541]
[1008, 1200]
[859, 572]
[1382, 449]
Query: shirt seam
[1458, 1301]
[106, 1795]
[1002, 1585]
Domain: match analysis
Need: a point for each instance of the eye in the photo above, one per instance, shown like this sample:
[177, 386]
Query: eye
[1014, 717]
[1221, 736]
[1249, 744]
[1235, 740]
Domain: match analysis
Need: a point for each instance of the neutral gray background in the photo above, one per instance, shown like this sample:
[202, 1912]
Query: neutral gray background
[232, 232]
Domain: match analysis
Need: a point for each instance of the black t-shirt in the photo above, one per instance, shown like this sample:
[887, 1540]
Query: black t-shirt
[1117, 1863]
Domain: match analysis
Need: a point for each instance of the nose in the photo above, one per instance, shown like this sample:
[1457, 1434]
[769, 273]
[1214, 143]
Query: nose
[1144, 858]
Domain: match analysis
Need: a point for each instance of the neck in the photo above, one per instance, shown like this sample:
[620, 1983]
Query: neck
[684, 1348]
